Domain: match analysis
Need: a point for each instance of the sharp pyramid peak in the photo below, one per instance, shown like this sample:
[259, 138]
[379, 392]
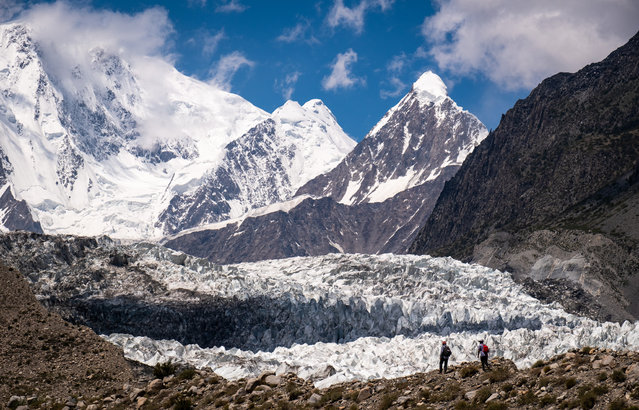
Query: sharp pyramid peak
[429, 86]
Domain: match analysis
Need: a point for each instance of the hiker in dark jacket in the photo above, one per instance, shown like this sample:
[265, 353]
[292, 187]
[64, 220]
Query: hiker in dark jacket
[482, 352]
[444, 354]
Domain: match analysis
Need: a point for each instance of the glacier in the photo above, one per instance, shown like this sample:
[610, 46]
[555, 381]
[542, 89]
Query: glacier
[369, 316]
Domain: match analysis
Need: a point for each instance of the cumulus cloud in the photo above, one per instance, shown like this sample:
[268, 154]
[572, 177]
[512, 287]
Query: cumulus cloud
[517, 43]
[341, 76]
[231, 6]
[287, 85]
[226, 68]
[353, 17]
[300, 32]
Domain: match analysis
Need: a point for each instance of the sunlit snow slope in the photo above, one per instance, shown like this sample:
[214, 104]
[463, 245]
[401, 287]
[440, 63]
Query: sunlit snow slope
[100, 141]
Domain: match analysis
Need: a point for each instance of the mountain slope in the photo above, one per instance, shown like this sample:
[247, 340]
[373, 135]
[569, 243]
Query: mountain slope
[264, 166]
[372, 201]
[424, 136]
[551, 193]
[48, 358]
[102, 142]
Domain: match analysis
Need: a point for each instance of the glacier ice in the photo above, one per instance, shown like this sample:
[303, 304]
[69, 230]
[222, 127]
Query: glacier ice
[413, 302]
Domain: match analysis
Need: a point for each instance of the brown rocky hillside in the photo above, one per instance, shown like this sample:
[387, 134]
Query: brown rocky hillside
[47, 359]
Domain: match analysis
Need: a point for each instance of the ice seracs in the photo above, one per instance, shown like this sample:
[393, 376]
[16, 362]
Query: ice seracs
[363, 315]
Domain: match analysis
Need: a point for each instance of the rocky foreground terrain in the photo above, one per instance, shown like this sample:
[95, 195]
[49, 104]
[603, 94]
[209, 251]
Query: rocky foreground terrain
[46, 362]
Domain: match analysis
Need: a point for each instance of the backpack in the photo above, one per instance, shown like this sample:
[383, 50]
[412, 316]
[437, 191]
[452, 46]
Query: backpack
[485, 349]
[446, 353]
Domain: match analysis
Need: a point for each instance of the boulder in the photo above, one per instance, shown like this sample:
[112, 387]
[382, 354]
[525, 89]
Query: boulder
[155, 385]
[633, 372]
[273, 380]
[251, 384]
[140, 402]
[492, 397]
[364, 394]
[314, 399]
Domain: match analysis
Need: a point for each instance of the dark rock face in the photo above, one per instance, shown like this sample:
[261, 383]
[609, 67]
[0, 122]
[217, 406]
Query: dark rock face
[252, 172]
[14, 215]
[315, 227]
[17, 214]
[552, 192]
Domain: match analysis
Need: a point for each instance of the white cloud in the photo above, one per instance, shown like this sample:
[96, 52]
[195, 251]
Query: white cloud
[398, 88]
[287, 86]
[200, 3]
[231, 6]
[397, 63]
[353, 17]
[341, 76]
[517, 43]
[298, 33]
[210, 42]
[226, 68]
[71, 30]
[69, 36]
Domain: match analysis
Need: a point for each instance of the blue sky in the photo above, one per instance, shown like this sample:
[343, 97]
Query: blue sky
[360, 57]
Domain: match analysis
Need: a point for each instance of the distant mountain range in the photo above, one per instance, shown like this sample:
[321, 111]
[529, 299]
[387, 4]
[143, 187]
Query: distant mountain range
[373, 201]
[93, 147]
[552, 194]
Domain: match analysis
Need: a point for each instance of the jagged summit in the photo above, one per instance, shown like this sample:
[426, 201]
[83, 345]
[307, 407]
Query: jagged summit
[412, 144]
[373, 201]
[429, 87]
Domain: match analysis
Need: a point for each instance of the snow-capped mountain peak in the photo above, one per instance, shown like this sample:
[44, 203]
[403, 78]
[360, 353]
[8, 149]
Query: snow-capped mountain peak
[429, 87]
[424, 137]
[100, 140]
[264, 166]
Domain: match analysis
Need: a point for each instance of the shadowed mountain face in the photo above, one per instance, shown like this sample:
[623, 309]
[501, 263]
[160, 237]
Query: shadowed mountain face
[553, 192]
[14, 215]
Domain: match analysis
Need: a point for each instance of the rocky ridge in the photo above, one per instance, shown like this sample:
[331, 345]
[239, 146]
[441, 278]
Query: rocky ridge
[553, 192]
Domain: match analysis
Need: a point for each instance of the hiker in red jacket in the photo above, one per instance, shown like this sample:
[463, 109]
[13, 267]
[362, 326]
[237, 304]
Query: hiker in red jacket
[482, 353]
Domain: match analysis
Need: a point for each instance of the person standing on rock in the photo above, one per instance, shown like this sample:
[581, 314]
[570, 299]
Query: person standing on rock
[482, 352]
[444, 354]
